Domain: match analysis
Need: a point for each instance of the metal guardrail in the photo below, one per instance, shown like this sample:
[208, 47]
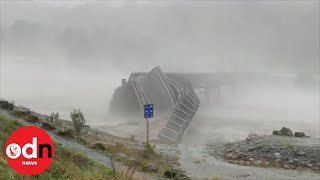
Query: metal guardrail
[185, 103]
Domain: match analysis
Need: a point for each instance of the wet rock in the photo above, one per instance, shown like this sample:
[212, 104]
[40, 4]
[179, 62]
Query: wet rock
[252, 148]
[301, 153]
[290, 161]
[276, 133]
[3, 102]
[6, 105]
[241, 155]
[283, 132]
[251, 137]
[286, 132]
[181, 177]
[229, 150]
[176, 174]
[277, 152]
[286, 166]
[231, 156]
[304, 164]
[299, 134]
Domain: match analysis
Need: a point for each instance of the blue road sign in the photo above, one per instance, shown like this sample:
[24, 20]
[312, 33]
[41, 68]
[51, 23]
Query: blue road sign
[148, 110]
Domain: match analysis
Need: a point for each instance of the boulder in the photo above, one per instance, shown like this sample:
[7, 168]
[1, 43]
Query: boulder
[231, 156]
[283, 132]
[251, 137]
[301, 153]
[6, 105]
[176, 174]
[299, 134]
[3, 102]
[181, 177]
[286, 132]
[242, 155]
[252, 148]
[9, 107]
[276, 133]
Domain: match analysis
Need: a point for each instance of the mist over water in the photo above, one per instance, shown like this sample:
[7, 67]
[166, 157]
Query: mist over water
[55, 86]
[59, 58]
[259, 111]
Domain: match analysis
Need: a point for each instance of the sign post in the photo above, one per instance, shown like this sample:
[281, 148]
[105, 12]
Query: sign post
[148, 113]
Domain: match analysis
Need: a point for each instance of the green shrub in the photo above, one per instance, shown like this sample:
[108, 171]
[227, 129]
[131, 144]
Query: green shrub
[32, 118]
[78, 120]
[21, 111]
[148, 150]
[54, 118]
[48, 126]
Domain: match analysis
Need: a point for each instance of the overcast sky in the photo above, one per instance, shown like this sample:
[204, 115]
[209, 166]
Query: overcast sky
[207, 36]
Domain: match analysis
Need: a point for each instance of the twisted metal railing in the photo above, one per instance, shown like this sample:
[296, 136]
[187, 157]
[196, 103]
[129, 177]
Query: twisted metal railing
[185, 104]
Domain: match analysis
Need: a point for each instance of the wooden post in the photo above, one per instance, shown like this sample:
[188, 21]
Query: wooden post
[147, 121]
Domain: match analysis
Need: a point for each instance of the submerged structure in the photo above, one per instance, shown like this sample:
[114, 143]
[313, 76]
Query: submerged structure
[175, 101]
[172, 95]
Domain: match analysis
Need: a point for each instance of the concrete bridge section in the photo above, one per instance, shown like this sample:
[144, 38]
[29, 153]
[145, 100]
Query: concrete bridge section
[170, 94]
[212, 84]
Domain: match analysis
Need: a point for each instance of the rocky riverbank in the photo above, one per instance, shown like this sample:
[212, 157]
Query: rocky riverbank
[271, 151]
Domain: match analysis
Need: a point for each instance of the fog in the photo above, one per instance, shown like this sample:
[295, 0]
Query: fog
[59, 56]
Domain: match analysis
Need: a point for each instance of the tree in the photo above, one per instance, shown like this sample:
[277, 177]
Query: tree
[78, 120]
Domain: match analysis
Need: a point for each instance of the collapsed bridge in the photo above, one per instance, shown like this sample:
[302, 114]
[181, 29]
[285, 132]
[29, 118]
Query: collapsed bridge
[175, 101]
[172, 96]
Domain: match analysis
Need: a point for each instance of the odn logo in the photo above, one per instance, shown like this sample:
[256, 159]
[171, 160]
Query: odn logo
[29, 150]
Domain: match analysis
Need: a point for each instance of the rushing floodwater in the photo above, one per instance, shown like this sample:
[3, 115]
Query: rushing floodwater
[56, 86]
